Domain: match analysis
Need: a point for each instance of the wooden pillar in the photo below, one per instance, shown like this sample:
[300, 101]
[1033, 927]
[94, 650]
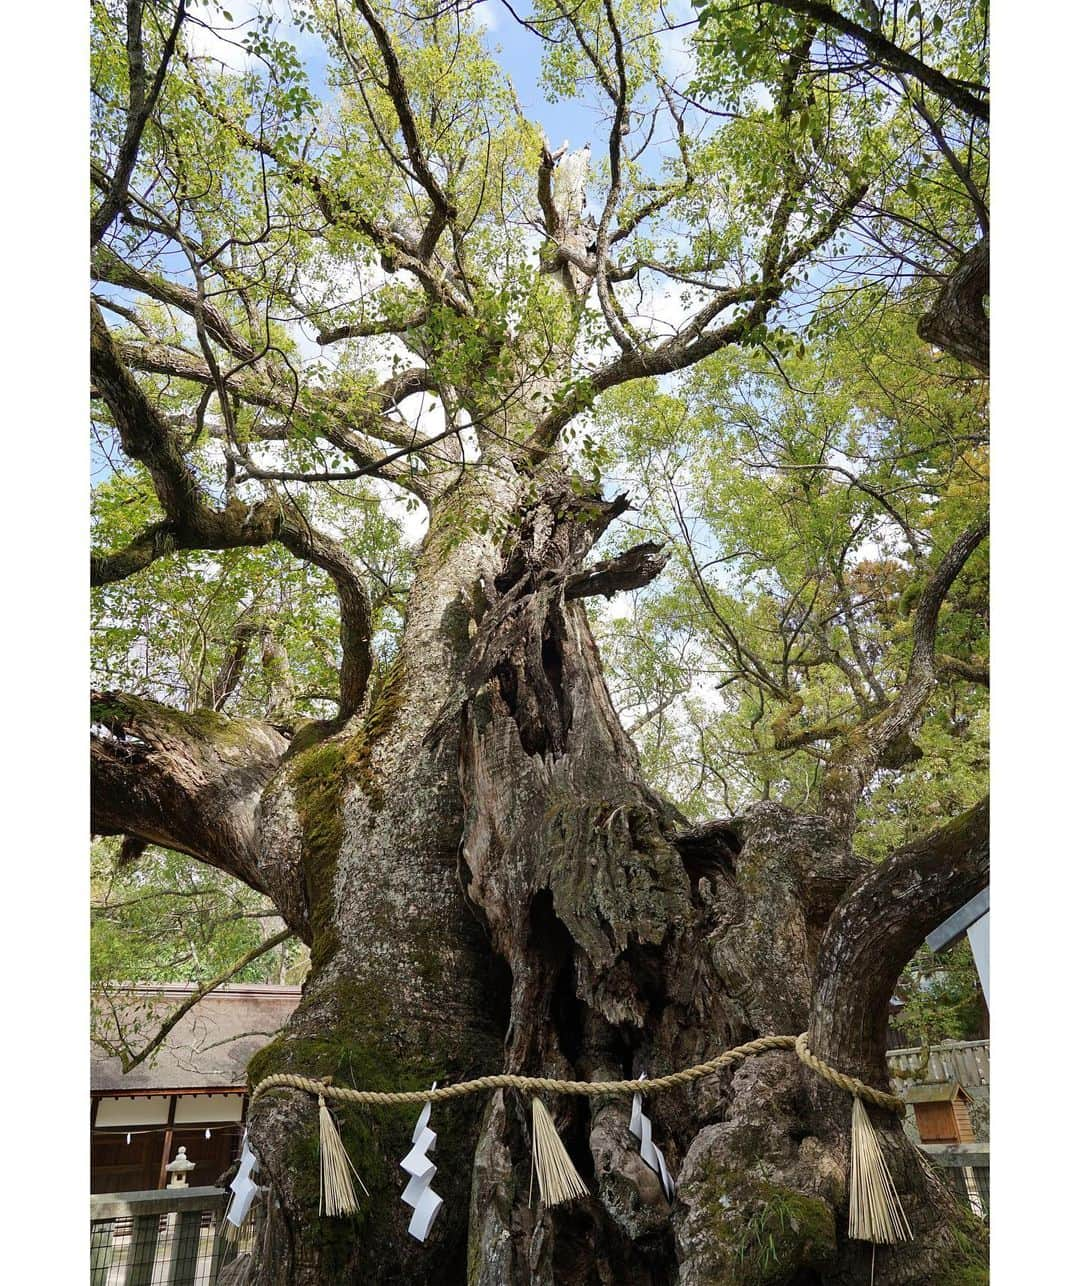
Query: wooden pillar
[184, 1255]
[167, 1144]
[142, 1250]
[93, 1122]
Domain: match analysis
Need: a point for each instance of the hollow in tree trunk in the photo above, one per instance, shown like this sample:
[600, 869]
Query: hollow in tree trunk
[487, 883]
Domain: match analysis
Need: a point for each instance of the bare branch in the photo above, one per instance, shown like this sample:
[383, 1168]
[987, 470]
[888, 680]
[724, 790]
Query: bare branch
[399, 250]
[369, 330]
[129, 1061]
[853, 763]
[629, 570]
[622, 332]
[695, 340]
[332, 416]
[192, 524]
[215, 694]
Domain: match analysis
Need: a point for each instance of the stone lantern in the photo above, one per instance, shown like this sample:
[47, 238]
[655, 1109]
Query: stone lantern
[179, 1168]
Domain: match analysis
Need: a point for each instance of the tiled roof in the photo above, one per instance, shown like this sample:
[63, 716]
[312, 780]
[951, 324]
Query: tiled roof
[211, 1045]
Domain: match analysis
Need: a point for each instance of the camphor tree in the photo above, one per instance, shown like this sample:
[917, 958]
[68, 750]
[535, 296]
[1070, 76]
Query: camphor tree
[925, 213]
[314, 309]
[805, 505]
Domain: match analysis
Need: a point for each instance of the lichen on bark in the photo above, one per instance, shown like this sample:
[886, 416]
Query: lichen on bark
[488, 882]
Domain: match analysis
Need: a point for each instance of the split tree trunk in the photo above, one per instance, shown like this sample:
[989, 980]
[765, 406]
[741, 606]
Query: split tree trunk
[958, 321]
[489, 884]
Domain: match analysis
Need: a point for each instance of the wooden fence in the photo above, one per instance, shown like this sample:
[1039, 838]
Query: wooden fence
[167, 1237]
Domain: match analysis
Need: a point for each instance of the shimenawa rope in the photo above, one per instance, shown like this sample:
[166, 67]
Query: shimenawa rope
[875, 1213]
[592, 1089]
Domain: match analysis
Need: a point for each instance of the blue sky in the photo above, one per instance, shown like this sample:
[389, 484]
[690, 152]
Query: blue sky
[518, 52]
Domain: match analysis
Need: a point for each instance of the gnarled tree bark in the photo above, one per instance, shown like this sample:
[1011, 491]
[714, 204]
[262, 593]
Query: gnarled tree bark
[486, 882]
[958, 321]
[483, 876]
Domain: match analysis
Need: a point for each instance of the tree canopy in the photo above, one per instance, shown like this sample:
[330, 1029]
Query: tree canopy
[330, 246]
[540, 563]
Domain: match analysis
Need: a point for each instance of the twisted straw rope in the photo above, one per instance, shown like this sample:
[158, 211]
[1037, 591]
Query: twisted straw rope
[850, 1083]
[593, 1089]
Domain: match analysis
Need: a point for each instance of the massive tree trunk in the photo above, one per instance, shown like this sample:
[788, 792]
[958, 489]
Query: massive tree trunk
[469, 849]
[487, 883]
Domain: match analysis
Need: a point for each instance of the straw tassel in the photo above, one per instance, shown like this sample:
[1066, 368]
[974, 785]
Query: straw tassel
[874, 1210]
[232, 1234]
[337, 1196]
[555, 1172]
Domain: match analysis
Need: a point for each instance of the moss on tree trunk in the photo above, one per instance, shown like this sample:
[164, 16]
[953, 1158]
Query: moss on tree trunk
[490, 884]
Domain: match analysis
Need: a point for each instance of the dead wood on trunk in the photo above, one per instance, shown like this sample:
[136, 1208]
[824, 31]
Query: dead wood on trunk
[500, 888]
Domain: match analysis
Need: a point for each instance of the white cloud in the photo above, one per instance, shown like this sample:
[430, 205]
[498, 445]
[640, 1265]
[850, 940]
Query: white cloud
[486, 15]
[676, 51]
[620, 608]
[209, 34]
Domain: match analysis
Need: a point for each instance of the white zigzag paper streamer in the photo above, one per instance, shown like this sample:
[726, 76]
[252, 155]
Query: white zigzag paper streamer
[421, 1169]
[641, 1129]
[243, 1186]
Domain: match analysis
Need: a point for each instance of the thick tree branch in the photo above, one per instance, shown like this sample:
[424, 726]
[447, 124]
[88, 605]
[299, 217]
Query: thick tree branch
[544, 195]
[109, 267]
[143, 433]
[399, 96]
[190, 782]
[970, 670]
[787, 738]
[329, 416]
[629, 570]
[958, 322]
[888, 54]
[376, 468]
[370, 330]
[355, 627]
[876, 930]
[156, 541]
